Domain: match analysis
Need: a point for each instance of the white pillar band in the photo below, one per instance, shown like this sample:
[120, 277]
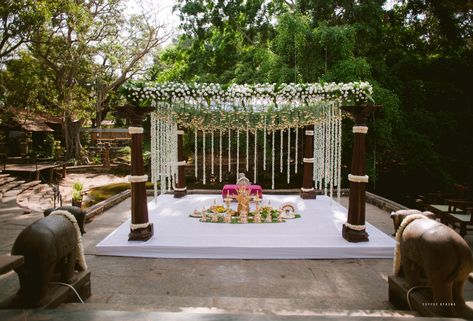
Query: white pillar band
[360, 129]
[181, 163]
[134, 227]
[180, 132]
[180, 189]
[355, 227]
[137, 178]
[309, 132]
[307, 189]
[308, 160]
[135, 130]
[358, 179]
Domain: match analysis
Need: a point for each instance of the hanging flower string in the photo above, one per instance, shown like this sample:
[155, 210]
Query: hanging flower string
[256, 162]
[247, 148]
[265, 107]
[220, 157]
[272, 162]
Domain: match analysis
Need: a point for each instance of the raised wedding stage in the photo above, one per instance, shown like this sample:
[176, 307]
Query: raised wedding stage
[316, 235]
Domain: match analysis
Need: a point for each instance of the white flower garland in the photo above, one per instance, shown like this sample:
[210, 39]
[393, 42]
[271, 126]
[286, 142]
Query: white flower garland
[238, 153]
[135, 130]
[272, 161]
[331, 155]
[397, 251]
[355, 227]
[325, 179]
[296, 161]
[260, 95]
[256, 159]
[229, 150]
[360, 129]
[212, 153]
[247, 149]
[195, 153]
[288, 155]
[163, 152]
[358, 178]
[315, 168]
[135, 227]
[174, 149]
[339, 153]
[137, 178]
[326, 154]
[220, 157]
[281, 150]
[204, 177]
[264, 144]
[154, 178]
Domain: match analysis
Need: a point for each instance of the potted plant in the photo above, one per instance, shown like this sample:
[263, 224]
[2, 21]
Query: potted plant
[77, 188]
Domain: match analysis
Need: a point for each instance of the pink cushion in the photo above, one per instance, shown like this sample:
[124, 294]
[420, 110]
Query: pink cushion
[231, 189]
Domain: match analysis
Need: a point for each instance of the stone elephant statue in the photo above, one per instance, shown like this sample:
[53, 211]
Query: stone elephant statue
[51, 248]
[430, 253]
[400, 215]
[78, 213]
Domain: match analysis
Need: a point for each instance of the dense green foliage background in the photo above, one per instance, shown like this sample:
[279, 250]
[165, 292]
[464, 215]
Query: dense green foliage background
[417, 54]
[69, 58]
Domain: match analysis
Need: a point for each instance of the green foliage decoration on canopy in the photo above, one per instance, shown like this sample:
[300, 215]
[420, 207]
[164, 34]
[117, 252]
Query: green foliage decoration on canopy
[207, 106]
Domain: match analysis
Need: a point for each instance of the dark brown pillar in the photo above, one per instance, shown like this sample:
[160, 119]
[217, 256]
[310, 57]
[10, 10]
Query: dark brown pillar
[180, 190]
[307, 189]
[354, 229]
[141, 229]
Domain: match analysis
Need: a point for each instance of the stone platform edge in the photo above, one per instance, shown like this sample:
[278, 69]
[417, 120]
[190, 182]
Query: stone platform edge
[373, 199]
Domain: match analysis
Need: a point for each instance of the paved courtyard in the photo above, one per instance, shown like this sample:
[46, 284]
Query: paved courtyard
[295, 287]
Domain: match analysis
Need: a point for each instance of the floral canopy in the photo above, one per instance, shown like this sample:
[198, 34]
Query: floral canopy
[220, 115]
[273, 106]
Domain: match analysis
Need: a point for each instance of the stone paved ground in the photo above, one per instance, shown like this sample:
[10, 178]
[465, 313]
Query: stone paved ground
[232, 286]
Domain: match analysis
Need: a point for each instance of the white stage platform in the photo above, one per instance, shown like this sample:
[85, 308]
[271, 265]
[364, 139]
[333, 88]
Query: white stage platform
[316, 235]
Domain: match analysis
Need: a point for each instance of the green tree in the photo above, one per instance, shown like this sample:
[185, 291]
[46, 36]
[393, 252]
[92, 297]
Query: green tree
[80, 54]
[417, 55]
[18, 18]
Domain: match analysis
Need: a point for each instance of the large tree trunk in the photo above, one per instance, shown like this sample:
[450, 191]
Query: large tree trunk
[72, 137]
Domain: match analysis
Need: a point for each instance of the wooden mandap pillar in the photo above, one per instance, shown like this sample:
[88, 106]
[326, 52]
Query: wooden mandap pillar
[354, 230]
[307, 189]
[180, 190]
[141, 229]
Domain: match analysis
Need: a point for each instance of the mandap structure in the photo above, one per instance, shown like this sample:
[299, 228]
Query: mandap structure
[224, 116]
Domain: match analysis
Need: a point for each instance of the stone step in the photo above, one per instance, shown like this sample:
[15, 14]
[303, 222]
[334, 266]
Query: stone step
[8, 187]
[6, 180]
[160, 303]
[37, 197]
[4, 175]
[40, 188]
[104, 312]
[29, 185]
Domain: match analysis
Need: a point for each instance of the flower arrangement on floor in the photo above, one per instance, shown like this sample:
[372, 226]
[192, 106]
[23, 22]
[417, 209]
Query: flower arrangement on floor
[218, 213]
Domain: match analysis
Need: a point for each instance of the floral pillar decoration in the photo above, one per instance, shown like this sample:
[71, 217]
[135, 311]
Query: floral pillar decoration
[354, 230]
[180, 190]
[307, 189]
[141, 229]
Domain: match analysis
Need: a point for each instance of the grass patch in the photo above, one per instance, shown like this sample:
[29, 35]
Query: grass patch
[101, 193]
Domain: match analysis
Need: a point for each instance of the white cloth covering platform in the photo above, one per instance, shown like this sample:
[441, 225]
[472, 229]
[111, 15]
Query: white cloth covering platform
[316, 235]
